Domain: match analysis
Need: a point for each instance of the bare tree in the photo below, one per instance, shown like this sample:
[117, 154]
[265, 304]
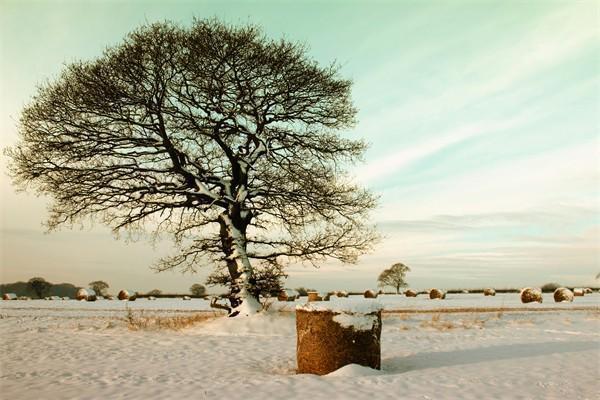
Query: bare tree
[266, 280]
[394, 276]
[215, 134]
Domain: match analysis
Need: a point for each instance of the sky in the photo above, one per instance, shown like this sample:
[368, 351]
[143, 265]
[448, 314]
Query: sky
[482, 117]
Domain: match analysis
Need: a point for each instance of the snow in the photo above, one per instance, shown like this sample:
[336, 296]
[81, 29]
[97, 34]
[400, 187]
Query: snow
[356, 305]
[359, 322]
[354, 371]
[71, 350]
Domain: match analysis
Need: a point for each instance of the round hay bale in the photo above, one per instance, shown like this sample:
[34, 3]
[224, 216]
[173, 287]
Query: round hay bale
[9, 296]
[588, 290]
[86, 295]
[127, 295]
[314, 296]
[187, 298]
[489, 292]
[563, 295]
[282, 296]
[530, 295]
[326, 342]
[370, 294]
[380, 291]
[410, 293]
[81, 294]
[436, 294]
[342, 294]
[577, 292]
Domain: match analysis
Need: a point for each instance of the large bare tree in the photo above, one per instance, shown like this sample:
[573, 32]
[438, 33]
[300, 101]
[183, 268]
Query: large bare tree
[215, 134]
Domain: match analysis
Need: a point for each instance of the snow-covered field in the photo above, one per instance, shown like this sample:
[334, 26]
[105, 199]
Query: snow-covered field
[70, 349]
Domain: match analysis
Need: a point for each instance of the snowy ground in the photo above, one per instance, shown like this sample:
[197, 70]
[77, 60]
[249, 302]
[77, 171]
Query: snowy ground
[70, 349]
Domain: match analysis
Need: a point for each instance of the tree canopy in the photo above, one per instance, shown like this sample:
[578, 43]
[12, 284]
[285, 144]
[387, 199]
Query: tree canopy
[197, 289]
[99, 287]
[394, 276]
[214, 134]
[39, 285]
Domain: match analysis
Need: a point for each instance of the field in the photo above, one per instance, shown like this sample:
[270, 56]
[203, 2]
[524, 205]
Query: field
[465, 347]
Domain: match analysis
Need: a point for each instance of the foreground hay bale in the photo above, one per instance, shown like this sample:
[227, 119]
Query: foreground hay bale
[410, 293]
[530, 295]
[127, 295]
[370, 294]
[489, 292]
[86, 295]
[578, 292]
[563, 295]
[436, 294]
[328, 339]
[9, 296]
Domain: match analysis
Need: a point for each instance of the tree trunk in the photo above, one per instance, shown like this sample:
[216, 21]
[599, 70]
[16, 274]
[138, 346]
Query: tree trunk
[233, 239]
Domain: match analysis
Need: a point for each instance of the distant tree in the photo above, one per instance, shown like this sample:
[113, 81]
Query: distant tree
[550, 287]
[198, 290]
[39, 286]
[154, 292]
[394, 276]
[215, 134]
[99, 287]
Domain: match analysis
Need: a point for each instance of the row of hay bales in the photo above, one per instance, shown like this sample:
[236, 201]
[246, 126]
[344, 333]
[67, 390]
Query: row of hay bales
[528, 295]
[90, 295]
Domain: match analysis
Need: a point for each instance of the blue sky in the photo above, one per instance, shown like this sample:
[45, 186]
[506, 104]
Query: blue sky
[483, 119]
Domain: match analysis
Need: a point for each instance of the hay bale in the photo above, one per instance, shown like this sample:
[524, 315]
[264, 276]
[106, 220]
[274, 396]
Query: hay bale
[370, 294]
[282, 296]
[410, 293]
[9, 296]
[86, 295]
[380, 291]
[109, 297]
[328, 340]
[588, 290]
[151, 298]
[65, 298]
[326, 296]
[130, 295]
[187, 298]
[563, 295]
[530, 295]
[314, 296]
[436, 294]
[341, 293]
[489, 292]
[287, 295]
[577, 292]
